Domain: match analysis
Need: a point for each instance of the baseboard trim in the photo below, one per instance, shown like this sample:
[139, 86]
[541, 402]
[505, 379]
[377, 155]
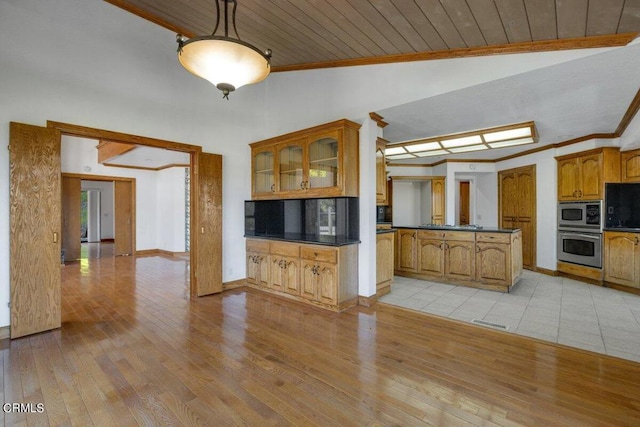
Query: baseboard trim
[546, 271]
[5, 332]
[107, 240]
[148, 252]
[227, 286]
[154, 252]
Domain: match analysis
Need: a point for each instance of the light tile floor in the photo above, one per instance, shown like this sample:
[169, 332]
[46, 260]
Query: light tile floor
[555, 309]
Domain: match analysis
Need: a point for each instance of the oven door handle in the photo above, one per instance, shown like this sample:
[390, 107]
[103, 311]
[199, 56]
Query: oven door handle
[586, 236]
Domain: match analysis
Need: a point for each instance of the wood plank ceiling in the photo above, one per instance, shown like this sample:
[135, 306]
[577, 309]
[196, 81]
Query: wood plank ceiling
[307, 34]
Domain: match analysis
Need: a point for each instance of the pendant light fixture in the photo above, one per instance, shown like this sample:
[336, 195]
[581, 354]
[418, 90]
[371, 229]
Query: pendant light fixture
[227, 62]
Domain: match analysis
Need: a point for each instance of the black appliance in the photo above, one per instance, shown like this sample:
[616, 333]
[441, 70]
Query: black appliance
[622, 205]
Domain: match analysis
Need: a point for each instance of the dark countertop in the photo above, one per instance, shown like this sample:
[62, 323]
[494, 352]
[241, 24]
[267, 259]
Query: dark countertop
[385, 230]
[624, 230]
[310, 239]
[460, 228]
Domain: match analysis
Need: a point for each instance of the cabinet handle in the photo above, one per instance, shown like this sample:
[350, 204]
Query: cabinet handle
[55, 237]
[273, 188]
[477, 249]
[306, 185]
[302, 185]
[580, 194]
[636, 241]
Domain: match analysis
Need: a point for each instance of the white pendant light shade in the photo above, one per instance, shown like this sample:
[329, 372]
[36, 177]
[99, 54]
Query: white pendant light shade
[226, 63]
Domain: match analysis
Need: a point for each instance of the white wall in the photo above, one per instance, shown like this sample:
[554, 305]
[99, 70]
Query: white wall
[107, 218]
[170, 209]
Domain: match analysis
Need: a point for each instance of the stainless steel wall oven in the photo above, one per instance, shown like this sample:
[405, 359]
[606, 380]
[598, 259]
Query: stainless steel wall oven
[580, 233]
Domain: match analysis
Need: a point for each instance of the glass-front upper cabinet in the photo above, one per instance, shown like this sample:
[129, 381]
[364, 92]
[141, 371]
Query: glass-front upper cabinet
[291, 162]
[263, 163]
[323, 162]
[317, 162]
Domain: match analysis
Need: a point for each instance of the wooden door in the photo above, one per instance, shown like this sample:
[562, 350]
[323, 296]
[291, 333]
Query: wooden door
[71, 191]
[437, 201]
[209, 225]
[517, 208]
[464, 203]
[34, 230]
[124, 219]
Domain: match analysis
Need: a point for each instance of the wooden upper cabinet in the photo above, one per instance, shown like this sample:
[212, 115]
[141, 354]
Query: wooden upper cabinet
[630, 165]
[381, 174]
[322, 161]
[581, 176]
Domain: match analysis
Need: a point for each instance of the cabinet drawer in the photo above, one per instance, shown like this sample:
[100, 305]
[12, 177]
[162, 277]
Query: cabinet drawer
[460, 236]
[257, 245]
[493, 237]
[430, 234]
[319, 254]
[286, 249]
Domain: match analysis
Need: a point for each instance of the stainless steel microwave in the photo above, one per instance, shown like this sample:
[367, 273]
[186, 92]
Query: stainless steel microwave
[580, 216]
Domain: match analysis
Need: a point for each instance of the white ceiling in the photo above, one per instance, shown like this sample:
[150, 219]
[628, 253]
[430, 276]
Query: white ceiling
[569, 100]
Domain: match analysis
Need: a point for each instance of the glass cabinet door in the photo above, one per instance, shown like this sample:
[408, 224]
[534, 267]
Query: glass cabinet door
[323, 162]
[291, 174]
[263, 179]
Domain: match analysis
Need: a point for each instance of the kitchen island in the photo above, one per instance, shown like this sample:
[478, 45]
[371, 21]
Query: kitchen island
[487, 258]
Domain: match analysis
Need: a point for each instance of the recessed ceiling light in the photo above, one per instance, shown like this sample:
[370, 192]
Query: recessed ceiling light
[460, 142]
[468, 148]
[432, 153]
[401, 156]
[394, 150]
[423, 147]
[512, 142]
[507, 134]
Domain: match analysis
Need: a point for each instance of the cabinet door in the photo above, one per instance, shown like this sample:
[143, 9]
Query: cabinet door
[291, 275]
[324, 161]
[630, 161]
[384, 257]
[276, 273]
[590, 177]
[327, 279]
[622, 258]
[406, 248]
[493, 262]
[459, 260]
[309, 285]
[437, 201]
[263, 165]
[292, 176]
[381, 175]
[253, 270]
[431, 257]
[568, 179]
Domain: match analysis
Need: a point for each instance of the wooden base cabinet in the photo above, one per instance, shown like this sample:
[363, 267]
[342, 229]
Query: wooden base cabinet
[622, 258]
[477, 259]
[384, 262]
[258, 263]
[323, 276]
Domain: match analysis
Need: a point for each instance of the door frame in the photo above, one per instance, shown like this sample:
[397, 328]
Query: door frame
[194, 152]
[107, 178]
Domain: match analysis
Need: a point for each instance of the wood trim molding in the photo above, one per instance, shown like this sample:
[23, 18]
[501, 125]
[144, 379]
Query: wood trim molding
[378, 119]
[546, 271]
[97, 177]
[100, 134]
[173, 165]
[110, 149]
[234, 284]
[416, 178]
[307, 131]
[612, 40]
[150, 17]
[629, 115]
[369, 301]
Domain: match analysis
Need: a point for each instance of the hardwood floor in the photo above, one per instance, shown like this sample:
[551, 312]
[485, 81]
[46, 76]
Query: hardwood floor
[133, 350]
